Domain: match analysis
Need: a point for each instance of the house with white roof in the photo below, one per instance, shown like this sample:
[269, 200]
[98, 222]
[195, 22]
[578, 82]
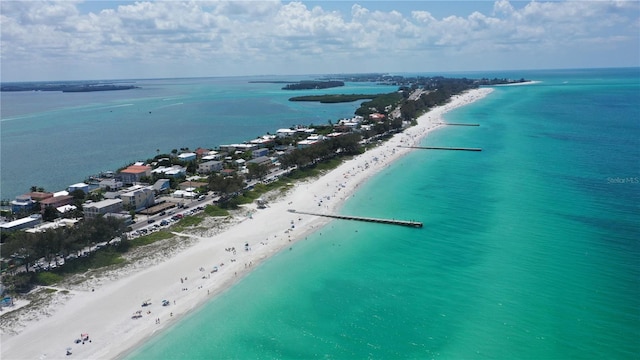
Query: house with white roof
[285, 132]
[188, 156]
[79, 186]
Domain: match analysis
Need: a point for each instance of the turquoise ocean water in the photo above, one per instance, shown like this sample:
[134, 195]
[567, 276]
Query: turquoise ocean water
[530, 249]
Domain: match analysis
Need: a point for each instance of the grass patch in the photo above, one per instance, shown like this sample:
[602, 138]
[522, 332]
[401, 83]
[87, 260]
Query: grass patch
[248, 197]
[187, 221]
[212, 210]
[98, 259]
[329, 165]
[47, 278]
[151, 238]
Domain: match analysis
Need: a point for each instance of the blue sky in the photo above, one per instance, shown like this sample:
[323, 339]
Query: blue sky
[49, 40]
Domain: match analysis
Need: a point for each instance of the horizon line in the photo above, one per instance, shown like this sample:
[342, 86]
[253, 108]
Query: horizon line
[316, 74]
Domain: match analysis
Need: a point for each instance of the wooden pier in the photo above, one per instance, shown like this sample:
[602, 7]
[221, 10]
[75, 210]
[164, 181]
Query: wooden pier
[415, 224]
[441, 148]
[460, 124]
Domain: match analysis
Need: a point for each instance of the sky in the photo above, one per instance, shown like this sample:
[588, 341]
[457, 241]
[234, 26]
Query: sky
[96, 39]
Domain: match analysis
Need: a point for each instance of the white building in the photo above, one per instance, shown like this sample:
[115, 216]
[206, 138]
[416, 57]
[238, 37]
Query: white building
[285, 132]
[139, 199]
[92, 210]
[79, 186]
[24, 223]
[173, 171]
[209, 166]
[190, 156]
[111, 184]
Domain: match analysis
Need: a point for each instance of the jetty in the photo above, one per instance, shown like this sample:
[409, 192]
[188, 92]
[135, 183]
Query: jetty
[415, 224]
[441, 148]
[459, 124]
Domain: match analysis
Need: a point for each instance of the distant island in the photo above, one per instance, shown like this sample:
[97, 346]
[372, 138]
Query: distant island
[333, 99]
[65, 87]
[313, 84]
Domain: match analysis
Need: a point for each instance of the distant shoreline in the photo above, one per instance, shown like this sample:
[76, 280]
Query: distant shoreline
[65, 88]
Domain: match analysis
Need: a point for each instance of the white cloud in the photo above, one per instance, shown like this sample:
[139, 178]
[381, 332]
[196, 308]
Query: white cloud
[198, 38]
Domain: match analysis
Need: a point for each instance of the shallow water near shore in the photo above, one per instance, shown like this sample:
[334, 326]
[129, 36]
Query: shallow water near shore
[529, 248]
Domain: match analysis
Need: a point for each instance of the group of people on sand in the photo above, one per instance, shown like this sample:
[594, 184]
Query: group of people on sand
[82, 339]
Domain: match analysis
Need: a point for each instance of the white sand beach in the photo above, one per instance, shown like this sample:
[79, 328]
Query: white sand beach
[185, 278]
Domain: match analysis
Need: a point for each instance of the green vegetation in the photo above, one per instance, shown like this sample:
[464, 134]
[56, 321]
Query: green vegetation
[333, 99]
[212, 210]
[151, 238]
[47, 278]
[345, 145]
[313, 84]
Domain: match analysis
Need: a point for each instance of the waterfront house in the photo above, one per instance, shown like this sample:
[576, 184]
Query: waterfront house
[79, 186]
[94, 209]
[56, 202]
[111, 184]
[134, 173]
[38, 196]
[285, 133]
[22, 203]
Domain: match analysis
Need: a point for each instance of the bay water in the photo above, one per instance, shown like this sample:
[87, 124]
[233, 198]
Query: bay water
[55, 139]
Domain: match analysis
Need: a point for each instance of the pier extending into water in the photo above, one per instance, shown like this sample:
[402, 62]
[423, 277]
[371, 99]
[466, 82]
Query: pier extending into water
[415, 224]
[441, 148]
[460, 124]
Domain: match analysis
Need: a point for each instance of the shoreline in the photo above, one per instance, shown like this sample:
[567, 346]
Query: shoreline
[186, 279]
